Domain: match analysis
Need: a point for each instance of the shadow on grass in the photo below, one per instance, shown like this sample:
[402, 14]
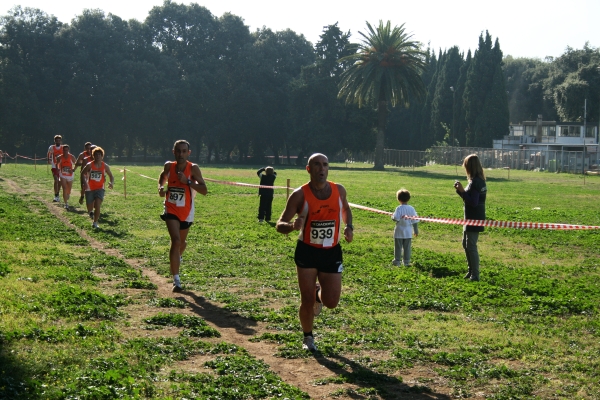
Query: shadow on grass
[387, 387]
[219, 316]
[13, 379]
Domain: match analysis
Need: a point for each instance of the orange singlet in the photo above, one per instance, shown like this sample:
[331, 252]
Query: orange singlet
[97, 178]
[65, 167]
[322, 225]
[56, 151]
[180, 197]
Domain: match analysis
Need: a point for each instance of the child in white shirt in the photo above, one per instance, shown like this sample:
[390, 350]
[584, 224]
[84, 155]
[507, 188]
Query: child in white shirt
[404, 228]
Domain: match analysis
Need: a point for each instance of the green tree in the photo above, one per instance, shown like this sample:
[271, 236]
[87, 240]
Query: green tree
[485, 99]
[442, 107]
[30, 79]
[459, 117]
[386, 69]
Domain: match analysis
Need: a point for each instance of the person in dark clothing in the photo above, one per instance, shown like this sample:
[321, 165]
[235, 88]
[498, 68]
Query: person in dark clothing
[266, 195]
[474, 206]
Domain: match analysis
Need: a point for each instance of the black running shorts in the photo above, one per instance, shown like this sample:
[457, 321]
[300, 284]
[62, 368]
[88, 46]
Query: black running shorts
[324, 260]
[183, 225]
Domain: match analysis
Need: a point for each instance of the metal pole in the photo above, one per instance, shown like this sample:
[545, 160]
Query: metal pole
[125, 181]
[35, 162]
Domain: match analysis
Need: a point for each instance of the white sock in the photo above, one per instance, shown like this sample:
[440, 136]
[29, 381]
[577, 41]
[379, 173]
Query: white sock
[176, 280]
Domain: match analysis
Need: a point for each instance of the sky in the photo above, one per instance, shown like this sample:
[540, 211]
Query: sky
[524, 28]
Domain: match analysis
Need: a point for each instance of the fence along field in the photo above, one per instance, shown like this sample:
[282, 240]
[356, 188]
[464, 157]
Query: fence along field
[529, 329]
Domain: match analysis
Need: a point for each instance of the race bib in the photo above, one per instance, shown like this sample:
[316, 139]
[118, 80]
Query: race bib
[67, 170]
[177, 196]
[96, 175]
[322, 232]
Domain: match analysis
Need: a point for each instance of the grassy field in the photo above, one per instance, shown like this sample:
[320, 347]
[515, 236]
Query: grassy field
[78, 321]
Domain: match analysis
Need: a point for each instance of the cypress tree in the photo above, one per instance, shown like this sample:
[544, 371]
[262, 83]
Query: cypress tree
[485, 95]
[442, 105]
[459, 118]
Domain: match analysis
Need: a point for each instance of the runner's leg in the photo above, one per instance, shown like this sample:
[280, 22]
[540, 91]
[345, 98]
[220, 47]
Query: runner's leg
[307, 279]
[174, 253]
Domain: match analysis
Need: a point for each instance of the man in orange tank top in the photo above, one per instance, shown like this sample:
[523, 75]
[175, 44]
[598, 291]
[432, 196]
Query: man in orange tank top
[84, 157]
[66, 170]
[97, 171]
[53, 152]
[320, 206]
[184, 180]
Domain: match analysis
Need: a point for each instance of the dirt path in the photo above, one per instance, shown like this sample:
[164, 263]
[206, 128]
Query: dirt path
[300, 373]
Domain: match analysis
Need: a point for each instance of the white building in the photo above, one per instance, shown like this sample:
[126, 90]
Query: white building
[562, 146]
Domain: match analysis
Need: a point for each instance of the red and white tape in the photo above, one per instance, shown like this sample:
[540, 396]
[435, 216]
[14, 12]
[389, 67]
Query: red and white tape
[245, 184]
[493, 224]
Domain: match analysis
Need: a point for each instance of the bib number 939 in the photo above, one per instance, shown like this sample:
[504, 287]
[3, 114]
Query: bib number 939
[322, 232]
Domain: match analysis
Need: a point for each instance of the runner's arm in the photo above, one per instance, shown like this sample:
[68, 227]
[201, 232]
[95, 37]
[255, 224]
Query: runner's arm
[346, 215]
[83, 174]
[111, 184]
[163, 178]
[292, 207]
[198, 183]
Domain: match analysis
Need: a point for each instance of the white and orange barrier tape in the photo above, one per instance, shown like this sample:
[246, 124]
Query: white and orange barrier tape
[452, 221]
[245, 184]
[492, 224]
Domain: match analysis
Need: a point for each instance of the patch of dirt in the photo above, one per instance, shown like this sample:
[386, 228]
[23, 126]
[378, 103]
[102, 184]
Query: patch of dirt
[301, 373]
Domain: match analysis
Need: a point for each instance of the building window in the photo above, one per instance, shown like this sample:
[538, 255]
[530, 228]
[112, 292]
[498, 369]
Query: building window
[570, 131]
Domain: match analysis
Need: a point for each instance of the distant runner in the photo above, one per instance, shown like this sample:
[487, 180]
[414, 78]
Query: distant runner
[53, 152]
[184, 180]
[66, 169]
[321, 205]
[97, 171]
[84, 157]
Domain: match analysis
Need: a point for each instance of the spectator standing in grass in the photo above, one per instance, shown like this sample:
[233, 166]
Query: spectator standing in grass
[66, 170]
[53, 152]
[265, 194]
[96, 170]
[403, 232]
[473, 196]
[320, 206]
[184, 180]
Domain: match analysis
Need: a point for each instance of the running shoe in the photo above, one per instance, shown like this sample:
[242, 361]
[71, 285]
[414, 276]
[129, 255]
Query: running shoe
[177, 289]
[56, 199]
[95, 225]
[66, 206]
[309, 343]
[91, 214]
[317, 307]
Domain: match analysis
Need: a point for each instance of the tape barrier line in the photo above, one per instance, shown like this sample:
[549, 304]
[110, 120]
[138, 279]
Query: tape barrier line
[20, 156]
[143, 176]
[493, 224]
[245, 184]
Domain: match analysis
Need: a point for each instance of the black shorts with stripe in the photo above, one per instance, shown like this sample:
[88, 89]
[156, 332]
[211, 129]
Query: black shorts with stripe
[324, 260]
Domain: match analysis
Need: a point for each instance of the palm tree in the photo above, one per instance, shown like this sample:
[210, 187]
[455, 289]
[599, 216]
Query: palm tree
[386, 68]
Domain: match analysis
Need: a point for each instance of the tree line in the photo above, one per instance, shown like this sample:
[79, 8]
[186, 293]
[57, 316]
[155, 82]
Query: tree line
[135, 87]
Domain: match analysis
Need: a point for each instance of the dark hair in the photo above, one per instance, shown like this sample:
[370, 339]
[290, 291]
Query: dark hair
[181, 142]
[96, 150]
[473, 167]
[403, 195]
[87, 144]
[57, 137]
[66, 146]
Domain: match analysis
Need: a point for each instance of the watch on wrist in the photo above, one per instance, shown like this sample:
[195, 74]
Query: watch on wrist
[350, 226]
[189, 181]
